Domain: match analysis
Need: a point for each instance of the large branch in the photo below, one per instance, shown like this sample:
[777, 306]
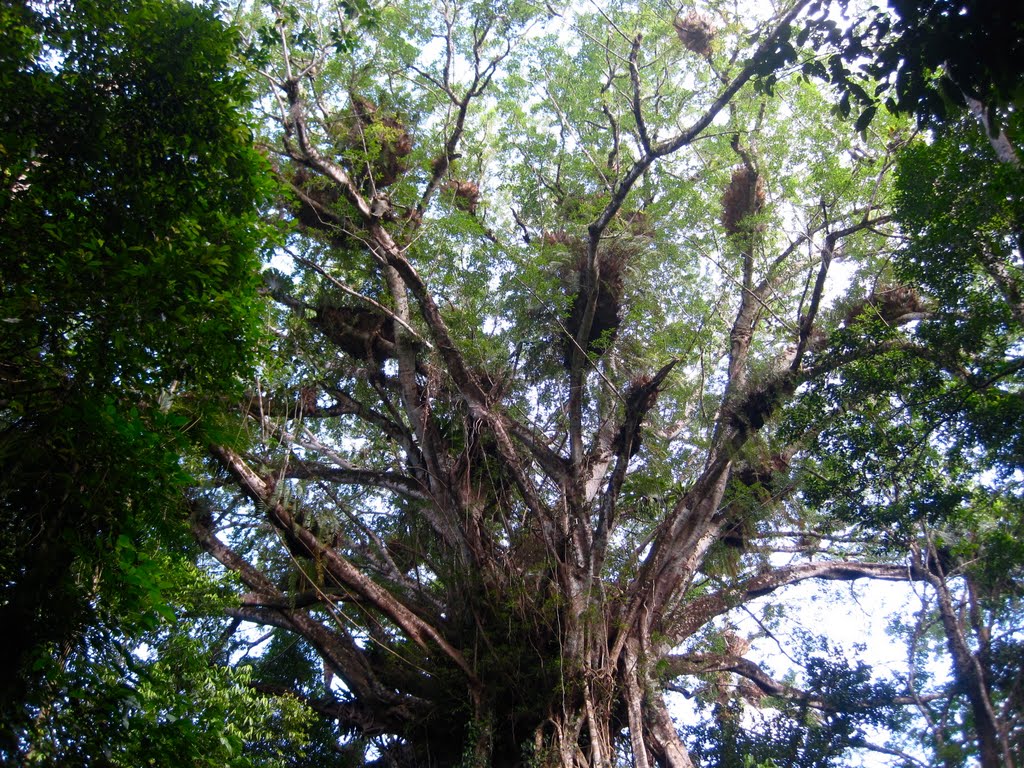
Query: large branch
[389, 253]
[680, 665]
[291, 404]
[685, 535]
[1005, 278]
[536, 443]
[638, 404]
[669, 146]
[968, 669]
[590, 274]
[697, 612]
[687, 532]
[347, 575]
[389, 481]
[458, 369]
[337, 648]
[1004, 149]
[481, 80]
[704, 663]
[369, 721]
[308, 155]
[827, 254]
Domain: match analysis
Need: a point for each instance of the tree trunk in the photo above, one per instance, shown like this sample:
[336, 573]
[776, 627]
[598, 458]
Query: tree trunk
[993, 751]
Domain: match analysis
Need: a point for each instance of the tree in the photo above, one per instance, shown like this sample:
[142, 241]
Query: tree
[128, 298]
[959, 201]
[958, 204]
[558, 377]
[961, 206]
[134, 690]
[560, 381]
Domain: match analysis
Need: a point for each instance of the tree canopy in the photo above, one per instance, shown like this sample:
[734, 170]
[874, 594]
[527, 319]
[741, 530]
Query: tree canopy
[590, 332]
[129, 187]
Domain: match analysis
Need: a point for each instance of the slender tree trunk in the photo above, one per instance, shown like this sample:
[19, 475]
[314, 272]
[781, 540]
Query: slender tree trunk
[992, 750]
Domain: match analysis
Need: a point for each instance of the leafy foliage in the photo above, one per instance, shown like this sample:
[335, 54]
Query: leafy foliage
[797, 735]
[128, 296]
[928, 58]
